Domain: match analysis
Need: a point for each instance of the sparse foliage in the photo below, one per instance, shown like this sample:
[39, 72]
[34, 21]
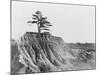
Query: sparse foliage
[42, 22]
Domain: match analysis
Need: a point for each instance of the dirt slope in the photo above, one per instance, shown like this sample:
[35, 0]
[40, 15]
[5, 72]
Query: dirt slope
[47, 53]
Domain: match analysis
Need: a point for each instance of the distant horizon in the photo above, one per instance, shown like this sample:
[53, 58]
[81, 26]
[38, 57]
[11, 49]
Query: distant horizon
[75, 24]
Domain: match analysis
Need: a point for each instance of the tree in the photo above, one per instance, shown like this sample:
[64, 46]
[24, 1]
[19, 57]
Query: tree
[42, 22]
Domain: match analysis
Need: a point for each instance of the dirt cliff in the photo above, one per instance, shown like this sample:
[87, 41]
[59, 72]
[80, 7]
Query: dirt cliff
[46, 53]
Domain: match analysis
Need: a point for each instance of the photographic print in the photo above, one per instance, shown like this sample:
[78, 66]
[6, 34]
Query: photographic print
[52, 37]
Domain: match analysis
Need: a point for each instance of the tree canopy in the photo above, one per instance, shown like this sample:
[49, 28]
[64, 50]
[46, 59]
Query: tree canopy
[41, 21]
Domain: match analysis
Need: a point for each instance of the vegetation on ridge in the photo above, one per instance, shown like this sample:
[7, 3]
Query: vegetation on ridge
[42, 22]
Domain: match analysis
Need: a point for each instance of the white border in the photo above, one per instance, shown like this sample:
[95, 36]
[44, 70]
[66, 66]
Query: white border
[5, 36]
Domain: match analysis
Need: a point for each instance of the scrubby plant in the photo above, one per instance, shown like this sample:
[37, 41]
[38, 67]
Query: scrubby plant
[41, 21]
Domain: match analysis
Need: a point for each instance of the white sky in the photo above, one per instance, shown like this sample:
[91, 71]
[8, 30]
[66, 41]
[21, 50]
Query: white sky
[71, 22]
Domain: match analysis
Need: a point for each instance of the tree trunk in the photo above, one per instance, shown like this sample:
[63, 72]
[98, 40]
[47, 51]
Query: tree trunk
[39, 29]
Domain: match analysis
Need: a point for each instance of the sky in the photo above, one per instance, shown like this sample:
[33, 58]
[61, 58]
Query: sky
[74, 23]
